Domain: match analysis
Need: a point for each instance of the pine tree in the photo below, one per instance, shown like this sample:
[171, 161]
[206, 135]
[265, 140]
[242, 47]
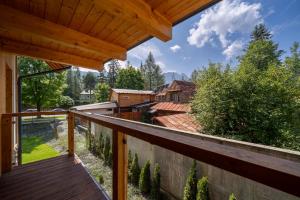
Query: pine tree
[102, 76]
[232, 197]
[106, 150]
[113, 69]
[293, 62]
[190, 189]
[260, 32]
[202, 189]
[145, 179]
[135, 171]
[155, 189]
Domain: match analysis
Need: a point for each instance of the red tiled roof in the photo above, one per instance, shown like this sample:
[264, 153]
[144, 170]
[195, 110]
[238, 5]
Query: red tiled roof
[182, 121]
[171, 106]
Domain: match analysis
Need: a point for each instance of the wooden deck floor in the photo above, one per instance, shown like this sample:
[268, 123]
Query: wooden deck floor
[60, 178]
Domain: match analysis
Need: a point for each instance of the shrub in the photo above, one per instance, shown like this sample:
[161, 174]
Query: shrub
[232, 197]
[129, 165]
[101, 179]
[190, 189]
[145, 179]
[155, 189]
[110, 159]
[106, 150]
[135, 171]
[202, 189]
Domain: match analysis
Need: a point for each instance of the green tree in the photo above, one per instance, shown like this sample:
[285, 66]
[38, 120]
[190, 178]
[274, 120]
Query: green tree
[102, 76]
[102, 91]
[135, 171]
[89, 81]
[202, 189]
[130, 78]
[145, 179]
[194, 75]
[155, 189]
[293, 62]
[113, 70]
[73, 82]
[42, 91]
[152, 73]
[260, 32]
[190, 189]
[232, 197]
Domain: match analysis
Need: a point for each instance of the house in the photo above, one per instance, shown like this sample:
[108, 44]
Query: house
[177, 91]
[87, 34]
[125, 98]
[87, 96]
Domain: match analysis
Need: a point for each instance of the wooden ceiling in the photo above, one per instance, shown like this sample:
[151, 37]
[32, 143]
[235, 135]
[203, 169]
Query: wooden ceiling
[88, 33]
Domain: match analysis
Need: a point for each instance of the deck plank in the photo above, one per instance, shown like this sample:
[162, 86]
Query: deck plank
[60, 178]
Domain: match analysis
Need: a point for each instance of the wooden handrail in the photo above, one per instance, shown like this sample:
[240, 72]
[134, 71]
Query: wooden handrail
[272, 171]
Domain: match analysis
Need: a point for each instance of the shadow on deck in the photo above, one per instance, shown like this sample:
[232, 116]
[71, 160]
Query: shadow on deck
[58, 178]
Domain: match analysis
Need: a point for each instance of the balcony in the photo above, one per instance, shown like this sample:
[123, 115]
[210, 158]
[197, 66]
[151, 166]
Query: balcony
[65, 177]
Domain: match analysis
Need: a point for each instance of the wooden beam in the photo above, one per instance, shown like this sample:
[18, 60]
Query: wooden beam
[120, 162]
[13, 20]
[71, 126]
[141, 12]
[9, 90]
[6, 143]
[48, 54]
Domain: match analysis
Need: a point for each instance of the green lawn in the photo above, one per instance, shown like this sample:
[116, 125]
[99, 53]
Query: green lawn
[34, 149]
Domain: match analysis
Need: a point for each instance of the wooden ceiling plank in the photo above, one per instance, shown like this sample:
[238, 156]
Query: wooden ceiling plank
[138, 10]
[37, 7]
[48, 54]
[62, 34]
[101, 24]
[91, 20]
[52, 10]
[67, 11]
[82, 11]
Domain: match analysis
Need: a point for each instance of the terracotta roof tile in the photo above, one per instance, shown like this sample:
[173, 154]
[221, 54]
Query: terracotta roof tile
[182, 121]
[171, 106]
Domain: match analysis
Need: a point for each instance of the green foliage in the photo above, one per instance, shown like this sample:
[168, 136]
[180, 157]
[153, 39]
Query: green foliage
[110, 159]
[145, 179]
[293, 62]
[135, 171]
[260, 32]
[113, 69]
[202, 189]
[257, 102]
[152, 73]
[130, 78]
[89, 81]
[232, 197]
[155, 189]
[106, 150]
[194, 75]
[102, 92]
[190, 189]
[42, 91]
[101, 179]
[73, 82]
[65, 102]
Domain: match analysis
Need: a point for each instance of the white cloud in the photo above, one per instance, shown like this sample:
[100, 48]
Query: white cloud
[223, 20]
[122, 64]
[161, 64]
[175, 48]
[141, 52]
[87, 70]
[234, 49]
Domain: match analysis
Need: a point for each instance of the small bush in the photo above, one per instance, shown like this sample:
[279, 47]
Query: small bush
[190, 189]
[232, 197]
[106, 151]
[129, 165]
[110, 159]
[135, 171]
[145, 179]
[101, 179]
[202, 189]
[155, 189]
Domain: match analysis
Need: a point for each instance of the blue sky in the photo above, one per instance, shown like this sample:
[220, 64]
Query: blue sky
[220, 33]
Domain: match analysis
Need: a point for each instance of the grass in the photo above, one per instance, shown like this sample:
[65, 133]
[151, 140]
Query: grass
[34, 149]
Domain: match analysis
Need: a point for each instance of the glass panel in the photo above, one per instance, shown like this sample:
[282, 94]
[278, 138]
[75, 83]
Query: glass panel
[93, 145]
[43, 137]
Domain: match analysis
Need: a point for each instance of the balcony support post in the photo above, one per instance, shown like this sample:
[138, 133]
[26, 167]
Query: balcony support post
[120, 162]
[71, 126]
[6, 143]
